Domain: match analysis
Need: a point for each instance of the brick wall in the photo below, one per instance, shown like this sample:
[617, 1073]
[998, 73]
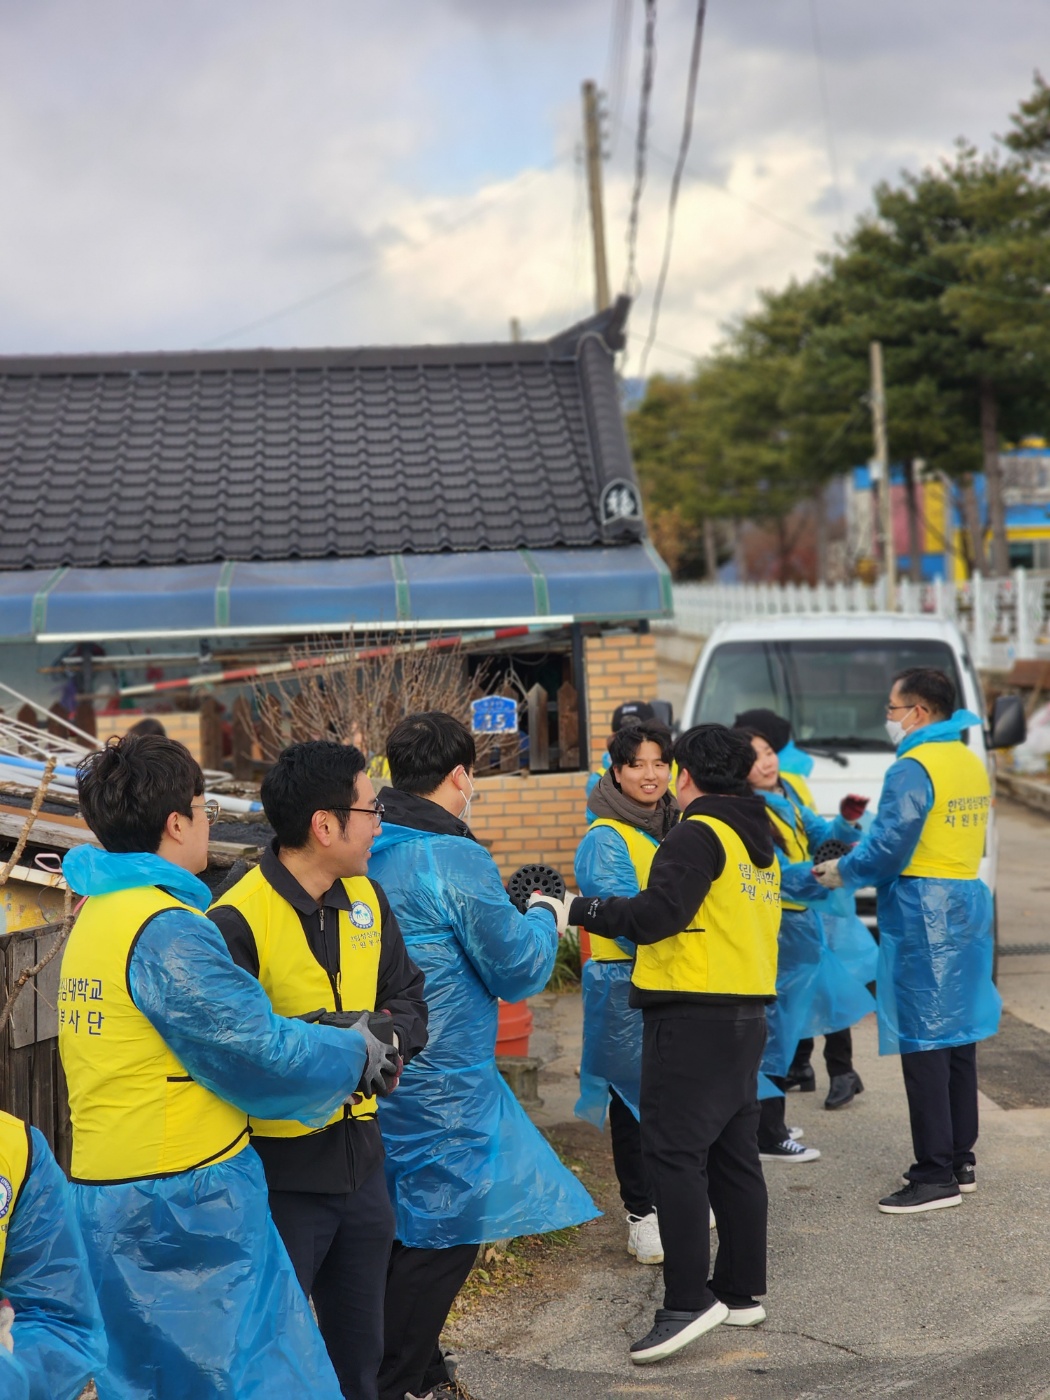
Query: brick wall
[620, 667]
[541, 817]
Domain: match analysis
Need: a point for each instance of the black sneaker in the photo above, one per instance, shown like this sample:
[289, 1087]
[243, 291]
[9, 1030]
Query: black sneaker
[966, 1179]
[801, 1077]
[920, 1195]
[788, 1151]
[672, 1330]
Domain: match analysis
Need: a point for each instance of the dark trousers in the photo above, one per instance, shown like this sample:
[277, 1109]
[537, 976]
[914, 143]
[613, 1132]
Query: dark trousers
[626, 1135]
[772, 1127]
[838, 1052]
[421, 1287]
[942, 1103]
[339, 1246]
[699, 1121]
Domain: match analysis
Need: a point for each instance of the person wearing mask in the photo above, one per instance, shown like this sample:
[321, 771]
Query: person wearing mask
[167, 1047]
[934, 990]
[846, 935]
[464, 1163]
[320, 937]
[632, 812]
[705, 929]
[815, 991]
[51, 1336]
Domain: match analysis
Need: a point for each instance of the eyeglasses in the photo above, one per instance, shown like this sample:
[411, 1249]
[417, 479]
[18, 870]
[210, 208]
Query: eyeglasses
[891, 708]
[210, 808]
[375, 811]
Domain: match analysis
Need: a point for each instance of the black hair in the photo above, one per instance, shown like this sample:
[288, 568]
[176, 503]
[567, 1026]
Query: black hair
[319, 776]
[129, 789]
[149, 725]
[767, 724]
[933, 688]
[623, 746]
[716, 758]
[425, 748]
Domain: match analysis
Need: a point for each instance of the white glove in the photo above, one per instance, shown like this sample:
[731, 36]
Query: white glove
[828, 875]
[558, 907]
[7, 1319]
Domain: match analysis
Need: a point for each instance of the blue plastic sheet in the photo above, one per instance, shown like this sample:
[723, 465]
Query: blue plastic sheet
[612, 1042]
[197, 1290]
[815, 992]
[464, 1163]
[58, 1335]
[936, 941]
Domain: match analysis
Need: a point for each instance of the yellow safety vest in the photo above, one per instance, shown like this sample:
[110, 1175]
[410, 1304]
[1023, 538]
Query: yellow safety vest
[640, 849]
[730, 946]
[795, 840]
[952, 841]
[136, 1112]
[296, 982]
[800, 788]
[15, 1159]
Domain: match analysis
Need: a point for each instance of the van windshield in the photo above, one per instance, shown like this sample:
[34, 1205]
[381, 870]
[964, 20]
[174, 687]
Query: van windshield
[834, 692]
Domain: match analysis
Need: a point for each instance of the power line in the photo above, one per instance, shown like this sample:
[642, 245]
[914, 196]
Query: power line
[630, 279]
[616, 64]
[365, 272]
[825, 101]
[676, 179]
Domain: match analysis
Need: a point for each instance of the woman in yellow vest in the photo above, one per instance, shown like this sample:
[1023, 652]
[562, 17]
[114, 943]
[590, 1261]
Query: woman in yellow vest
[54, 1343]
[935, 993]
[167, 1047]
[816, 993]
[705, 928]
[632, 812]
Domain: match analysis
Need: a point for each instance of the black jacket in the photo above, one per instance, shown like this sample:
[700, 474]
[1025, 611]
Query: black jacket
[338, 1158]
[688, 861]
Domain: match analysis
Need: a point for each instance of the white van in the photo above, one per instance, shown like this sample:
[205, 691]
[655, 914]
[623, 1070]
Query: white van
[830, 677]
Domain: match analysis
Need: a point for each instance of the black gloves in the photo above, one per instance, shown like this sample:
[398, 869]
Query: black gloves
[383, 1066]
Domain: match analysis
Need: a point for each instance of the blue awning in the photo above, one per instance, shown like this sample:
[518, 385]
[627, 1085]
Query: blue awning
[388, 592]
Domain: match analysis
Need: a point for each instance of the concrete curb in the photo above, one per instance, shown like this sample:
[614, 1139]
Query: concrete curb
[1027, 791]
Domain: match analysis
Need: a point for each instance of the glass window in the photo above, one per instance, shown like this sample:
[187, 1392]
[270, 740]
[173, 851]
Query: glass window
[834, 692]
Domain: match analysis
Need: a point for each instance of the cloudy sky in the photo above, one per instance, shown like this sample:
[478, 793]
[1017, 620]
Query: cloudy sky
[196, 173]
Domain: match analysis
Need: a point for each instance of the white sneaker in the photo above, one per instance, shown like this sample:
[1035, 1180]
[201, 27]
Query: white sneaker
[745, 1317]
[714, 1222]
[789, 1151]
[795, 1133]
[643, 1238]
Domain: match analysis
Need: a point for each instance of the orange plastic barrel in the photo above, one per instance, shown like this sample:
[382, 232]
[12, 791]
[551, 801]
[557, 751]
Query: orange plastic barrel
[514, 1028]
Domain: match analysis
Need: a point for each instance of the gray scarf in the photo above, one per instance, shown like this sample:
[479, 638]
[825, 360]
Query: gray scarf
[609, 801]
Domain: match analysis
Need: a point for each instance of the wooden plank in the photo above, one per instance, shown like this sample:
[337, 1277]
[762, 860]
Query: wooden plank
[46, 990]
[59, 832]
[211, 733]
[243, 740]
[539, 729]
[568, 726]
[23, 1015]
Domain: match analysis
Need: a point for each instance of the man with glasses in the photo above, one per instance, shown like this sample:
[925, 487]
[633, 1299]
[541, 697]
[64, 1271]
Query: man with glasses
[320, 937]
[935, 993]
[167, 1048]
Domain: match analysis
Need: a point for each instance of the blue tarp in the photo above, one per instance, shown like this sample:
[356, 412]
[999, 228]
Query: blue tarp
[435, 590]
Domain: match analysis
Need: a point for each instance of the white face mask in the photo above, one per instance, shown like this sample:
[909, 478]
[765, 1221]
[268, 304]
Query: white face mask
[896, 730]
[465, 814]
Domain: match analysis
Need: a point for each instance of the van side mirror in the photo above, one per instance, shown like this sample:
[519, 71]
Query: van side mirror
[1009, 725]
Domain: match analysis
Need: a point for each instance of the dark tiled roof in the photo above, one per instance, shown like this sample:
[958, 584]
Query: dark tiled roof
[270, 454]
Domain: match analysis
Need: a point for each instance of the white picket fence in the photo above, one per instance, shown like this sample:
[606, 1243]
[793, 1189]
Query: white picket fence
[1003, 619]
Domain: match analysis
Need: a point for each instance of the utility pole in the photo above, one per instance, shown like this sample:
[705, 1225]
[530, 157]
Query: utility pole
[515, 330]
[593, 146]
[881, 463]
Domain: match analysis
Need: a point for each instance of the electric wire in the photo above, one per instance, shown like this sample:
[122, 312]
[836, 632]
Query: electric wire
[676, 180]
[825, 102]
[630, 278]
[616, 66]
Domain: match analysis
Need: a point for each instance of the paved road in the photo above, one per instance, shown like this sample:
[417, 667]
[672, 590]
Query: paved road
[950, 1304]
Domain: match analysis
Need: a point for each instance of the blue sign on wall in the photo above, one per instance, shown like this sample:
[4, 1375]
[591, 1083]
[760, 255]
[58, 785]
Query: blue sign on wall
[494, 714]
